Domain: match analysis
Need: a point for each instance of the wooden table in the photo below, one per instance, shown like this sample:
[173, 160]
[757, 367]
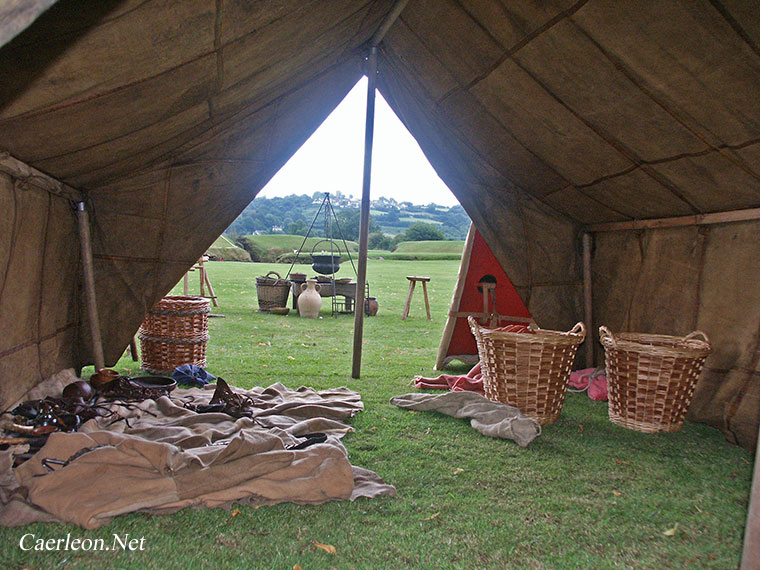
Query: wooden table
[346, 290]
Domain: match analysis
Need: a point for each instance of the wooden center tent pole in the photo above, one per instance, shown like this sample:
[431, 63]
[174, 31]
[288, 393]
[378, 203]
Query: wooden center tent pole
[85, 243]
[587, 298]
[369, 131]
[361, 273]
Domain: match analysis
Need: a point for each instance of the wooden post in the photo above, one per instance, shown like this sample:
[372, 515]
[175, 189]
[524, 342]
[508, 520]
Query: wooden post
[751, 552]
[212, 295]
[451, 320]
[202, 273]
[587, 300]
[361, 277]
[89, 285]
[369, 131]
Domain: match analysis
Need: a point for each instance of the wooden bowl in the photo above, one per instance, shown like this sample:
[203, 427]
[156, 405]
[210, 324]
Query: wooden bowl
[154, 382]
[279, 310]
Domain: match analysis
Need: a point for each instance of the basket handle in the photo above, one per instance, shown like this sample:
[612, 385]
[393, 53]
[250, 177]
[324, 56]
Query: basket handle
[474, 326]
[268, 274]
[695, 334]
[579, 328]
[331, 242]
[604, 332]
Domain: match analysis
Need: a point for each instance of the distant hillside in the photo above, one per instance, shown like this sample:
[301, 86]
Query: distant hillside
[282, 247]
[294, 215]
[224, 248]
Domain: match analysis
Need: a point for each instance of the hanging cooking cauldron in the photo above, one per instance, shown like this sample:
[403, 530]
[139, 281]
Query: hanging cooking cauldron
[326, 262]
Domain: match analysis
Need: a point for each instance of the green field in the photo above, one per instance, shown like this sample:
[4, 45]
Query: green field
[424, 219]
[586, 494]
[431, 246]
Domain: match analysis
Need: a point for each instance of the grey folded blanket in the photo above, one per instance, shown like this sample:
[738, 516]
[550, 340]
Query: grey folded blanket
[490, 418]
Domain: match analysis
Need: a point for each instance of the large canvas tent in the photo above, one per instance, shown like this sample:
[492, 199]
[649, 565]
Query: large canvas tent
[544, 119]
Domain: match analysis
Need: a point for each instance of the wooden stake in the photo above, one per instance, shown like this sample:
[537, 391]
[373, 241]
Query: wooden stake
[89, 285]
[361, 276]
[212, 295]
[587, 300]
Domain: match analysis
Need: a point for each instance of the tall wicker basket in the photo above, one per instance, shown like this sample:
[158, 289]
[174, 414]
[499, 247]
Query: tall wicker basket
[174, 332]
[528, 371]
[272, 292]
[651, 377]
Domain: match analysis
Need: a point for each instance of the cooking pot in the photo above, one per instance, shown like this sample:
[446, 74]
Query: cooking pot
[326, 262]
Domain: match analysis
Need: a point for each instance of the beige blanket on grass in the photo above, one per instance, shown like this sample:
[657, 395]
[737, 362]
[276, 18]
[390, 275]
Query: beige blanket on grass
[490, 418]
[170, 457]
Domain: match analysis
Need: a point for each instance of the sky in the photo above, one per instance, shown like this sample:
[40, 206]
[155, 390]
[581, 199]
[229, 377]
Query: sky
[332, 159]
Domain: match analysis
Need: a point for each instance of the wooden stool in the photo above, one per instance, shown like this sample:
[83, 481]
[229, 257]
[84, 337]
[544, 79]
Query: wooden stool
[412, 283]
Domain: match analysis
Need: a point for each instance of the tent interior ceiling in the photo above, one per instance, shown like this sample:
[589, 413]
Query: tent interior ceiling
[542, 117]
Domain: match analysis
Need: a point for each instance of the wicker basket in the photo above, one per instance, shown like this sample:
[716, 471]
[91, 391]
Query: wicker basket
[272, 291]
[651, 378]
[173, 333]
[528, 371]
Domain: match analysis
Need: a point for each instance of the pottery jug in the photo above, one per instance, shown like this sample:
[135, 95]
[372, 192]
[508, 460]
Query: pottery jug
[309, 301]
[370, 306]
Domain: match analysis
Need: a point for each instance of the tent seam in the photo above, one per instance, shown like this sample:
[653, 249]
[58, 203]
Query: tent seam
[528, 38]
[735, 25]
[488, 163]
[220, 124]
[12, 236]
[612, 142]
[42, 286]
[39, 340]
[685, 122]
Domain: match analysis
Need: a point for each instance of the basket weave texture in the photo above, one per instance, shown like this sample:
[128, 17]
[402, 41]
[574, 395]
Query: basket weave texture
[651, 377]
[528, 371]
[272, 291]
[173, 333]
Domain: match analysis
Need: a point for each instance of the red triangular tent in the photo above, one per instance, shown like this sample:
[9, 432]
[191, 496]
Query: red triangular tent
[484, 291]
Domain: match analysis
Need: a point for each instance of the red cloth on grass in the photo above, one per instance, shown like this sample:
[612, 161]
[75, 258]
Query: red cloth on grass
[590, 380]
[470, 382]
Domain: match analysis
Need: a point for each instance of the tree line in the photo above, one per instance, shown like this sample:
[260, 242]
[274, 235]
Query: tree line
[390, 222]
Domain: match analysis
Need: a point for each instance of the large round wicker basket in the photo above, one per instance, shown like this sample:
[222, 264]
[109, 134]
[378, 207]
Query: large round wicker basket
[528, 371]
[173, 333]
[651, 377]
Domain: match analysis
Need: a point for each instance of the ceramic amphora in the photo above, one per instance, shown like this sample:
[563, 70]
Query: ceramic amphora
[309, 301]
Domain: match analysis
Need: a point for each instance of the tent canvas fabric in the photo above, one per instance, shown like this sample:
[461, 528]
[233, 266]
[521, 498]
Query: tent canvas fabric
[542, 118]
[478, 263]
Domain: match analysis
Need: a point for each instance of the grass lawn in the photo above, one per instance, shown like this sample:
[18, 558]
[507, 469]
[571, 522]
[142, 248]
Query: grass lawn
[585, 494]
